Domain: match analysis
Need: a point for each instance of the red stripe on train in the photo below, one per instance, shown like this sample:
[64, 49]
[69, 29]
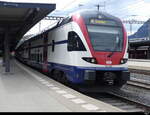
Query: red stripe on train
[101, 57]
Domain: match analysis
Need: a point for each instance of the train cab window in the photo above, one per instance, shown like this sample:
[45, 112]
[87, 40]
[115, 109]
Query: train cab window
[74, 42]
[106, 38]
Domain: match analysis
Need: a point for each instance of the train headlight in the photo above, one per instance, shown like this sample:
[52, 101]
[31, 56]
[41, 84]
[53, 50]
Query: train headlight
[123, 61]
[90, 60]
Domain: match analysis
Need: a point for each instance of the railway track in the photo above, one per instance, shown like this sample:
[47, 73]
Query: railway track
[138, 71]
[126, 99]
[121, 100]
[139, 84]
[133, 101]
[129, 101]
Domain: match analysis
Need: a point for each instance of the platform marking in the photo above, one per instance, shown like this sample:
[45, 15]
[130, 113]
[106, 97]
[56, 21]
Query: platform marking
[61, 92]
[78, 101]
[101, 111]
[45, 82]
[69, 96]
[55, 88]
[35, 76]
[39, 78]
[49, 85]
[42, 80]
[90, 107]
[29, 72]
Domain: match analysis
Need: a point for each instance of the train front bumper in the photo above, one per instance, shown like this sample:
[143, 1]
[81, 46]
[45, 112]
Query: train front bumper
[108, 77]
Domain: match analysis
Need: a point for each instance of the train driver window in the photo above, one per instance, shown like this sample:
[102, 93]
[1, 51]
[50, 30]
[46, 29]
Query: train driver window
[74, 42]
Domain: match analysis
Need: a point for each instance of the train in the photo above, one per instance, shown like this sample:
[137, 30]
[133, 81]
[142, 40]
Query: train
[86, 47]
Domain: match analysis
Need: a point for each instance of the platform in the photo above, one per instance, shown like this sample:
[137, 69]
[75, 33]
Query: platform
[139, 64]
[27, 90]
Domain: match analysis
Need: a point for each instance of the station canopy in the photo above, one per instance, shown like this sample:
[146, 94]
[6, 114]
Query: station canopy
[17, 18]
[141, 43]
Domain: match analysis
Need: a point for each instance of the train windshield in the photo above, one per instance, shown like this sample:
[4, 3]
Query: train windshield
[106, 38]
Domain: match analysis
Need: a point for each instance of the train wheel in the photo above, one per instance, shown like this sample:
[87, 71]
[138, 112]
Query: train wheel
[64, 79]
[59, 76]
[54, 75]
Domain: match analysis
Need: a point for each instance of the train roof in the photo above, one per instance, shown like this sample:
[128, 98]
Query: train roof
[85, 13]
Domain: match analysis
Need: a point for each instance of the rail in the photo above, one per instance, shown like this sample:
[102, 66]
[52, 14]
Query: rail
[129, 98]
[139, 84]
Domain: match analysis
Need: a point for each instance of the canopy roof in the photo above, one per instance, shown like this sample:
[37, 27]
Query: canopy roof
[18, 18]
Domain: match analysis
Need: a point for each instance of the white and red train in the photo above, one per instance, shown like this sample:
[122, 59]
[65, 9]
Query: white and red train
[87, 46]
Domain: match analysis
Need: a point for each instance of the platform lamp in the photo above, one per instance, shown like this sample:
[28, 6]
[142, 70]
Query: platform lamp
[131, 22]
[101, 5]
[149, 29]
[40, 26]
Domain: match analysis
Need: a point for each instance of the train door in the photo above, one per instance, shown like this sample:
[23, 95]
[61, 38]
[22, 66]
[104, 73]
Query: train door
[45, 49]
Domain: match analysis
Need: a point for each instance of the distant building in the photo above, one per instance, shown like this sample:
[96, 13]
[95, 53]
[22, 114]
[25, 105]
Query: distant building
[140, 42]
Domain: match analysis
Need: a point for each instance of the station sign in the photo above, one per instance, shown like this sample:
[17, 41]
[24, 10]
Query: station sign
[102, 22]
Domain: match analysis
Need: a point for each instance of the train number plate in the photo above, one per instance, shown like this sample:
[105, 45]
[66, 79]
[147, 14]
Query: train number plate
[108, 65]
[108, 62]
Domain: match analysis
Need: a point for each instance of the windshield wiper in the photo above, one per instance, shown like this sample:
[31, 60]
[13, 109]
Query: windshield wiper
[117, 44]
[112, 53]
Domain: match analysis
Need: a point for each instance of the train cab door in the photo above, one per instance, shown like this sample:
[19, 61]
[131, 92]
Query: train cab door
[45, 49]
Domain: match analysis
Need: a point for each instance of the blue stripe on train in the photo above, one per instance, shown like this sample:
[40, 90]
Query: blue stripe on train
[59, 42]
[56, 43]
[76, 74]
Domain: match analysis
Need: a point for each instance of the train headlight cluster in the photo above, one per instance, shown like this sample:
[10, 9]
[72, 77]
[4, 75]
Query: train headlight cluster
[123, 61]
[90, 60]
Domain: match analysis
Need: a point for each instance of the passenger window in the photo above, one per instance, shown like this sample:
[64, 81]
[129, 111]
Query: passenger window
[75, 43]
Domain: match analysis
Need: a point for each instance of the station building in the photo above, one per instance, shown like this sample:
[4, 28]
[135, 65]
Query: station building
[139, 42]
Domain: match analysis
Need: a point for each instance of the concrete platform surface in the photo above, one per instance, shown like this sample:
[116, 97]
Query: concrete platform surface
[139, 64]
[26, 90]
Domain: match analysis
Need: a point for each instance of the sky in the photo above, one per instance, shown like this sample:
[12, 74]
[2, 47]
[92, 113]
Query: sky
[124, 9]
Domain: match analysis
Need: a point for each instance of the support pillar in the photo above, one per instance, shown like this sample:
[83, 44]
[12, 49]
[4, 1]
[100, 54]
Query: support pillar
[3, 59]
[135, 54]
[148, 53]
[7, 52]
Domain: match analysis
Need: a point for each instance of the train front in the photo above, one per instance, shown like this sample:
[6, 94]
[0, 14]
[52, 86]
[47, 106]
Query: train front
[107, 41]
